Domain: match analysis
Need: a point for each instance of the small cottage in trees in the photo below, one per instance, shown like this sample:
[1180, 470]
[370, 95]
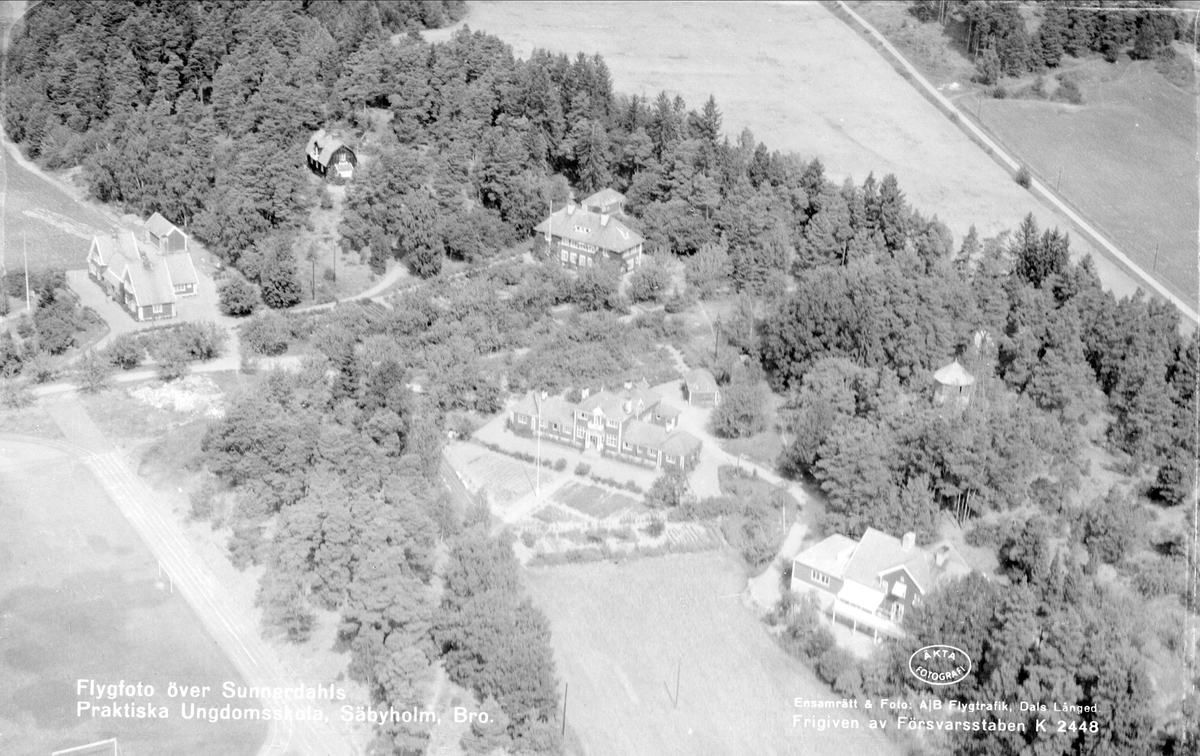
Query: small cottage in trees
[327, 152]
[581, 235]
[138, 277]
[872, 582]
[953, 386]
[701, 388]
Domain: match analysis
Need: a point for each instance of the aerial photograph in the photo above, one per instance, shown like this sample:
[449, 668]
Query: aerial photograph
[531, 378]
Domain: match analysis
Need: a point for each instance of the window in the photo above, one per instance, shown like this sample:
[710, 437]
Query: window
[562, 253]
[610, 439]
[574, 258]
[671, 460]
[626, 446]
[542, 424]
[554, 427]
[917, 600]
[156, 309]
[579, 433]
[612, 423]
[820, 577]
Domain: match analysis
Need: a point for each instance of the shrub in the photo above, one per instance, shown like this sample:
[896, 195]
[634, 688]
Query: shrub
[15, 394]
[38, 368]
[124, 352]
[706, 509]
[582, 469]
[1069, 91]
[172, 360]
[94, 373]
[1039, 88]
[999, 92]
[529, 539]
[656, 527]
[238, 297]
[1023, 177]
[266, 333]
[560, 465]
[201, 341]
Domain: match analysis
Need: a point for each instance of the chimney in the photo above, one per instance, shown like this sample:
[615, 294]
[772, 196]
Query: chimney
[628, 406]
[939, 559]
[603, 220]
[544, 396]
[584, 393]
[908, 541]
[628, 385]
[570, 207]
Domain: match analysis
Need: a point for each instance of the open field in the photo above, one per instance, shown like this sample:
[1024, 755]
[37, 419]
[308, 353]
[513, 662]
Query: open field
[621, 631]
[802, 81]
[81, 598]
[1128, 161]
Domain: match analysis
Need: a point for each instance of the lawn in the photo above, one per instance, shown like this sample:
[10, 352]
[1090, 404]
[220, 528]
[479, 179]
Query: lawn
[622, 632]
[595, 501]
[82, 598]
[805, 83]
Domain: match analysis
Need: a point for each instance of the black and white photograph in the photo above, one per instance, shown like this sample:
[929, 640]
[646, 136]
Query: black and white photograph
[573, 378]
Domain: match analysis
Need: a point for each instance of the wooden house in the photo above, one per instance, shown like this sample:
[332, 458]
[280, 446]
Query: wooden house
[327, 152]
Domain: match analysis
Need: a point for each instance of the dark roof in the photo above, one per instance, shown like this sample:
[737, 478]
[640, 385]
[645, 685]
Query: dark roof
[680, 443]
[644, 434]
[580, 225]
[325, 145]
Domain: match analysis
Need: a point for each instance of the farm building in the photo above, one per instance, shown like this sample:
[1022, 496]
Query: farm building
[632, 426]
[701, 388]
[165, 235]
[138, 277]
[954, 386]
[872, 582]
[579, 235]
[327, 152]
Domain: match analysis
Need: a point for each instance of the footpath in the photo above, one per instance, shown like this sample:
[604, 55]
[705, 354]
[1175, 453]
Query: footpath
[232, 627]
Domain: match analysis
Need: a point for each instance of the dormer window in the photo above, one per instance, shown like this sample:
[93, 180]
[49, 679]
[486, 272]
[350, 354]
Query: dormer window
[582, 230]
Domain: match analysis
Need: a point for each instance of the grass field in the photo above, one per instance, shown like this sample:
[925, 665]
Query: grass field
[620, 632]
[80, 597]
[1128, 161]
[802, 81]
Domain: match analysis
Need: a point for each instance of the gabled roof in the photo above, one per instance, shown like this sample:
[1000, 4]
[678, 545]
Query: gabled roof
[604, 231]
[160, 226]
[680, 443]
[830, 555]
[954, 374]
[326, 145]
[139, 265]
[183, 272]
[612, 405]
[879, 553]
[552, 409]
[699, 379]
[644, 434]
[666, 410]
[606, 196]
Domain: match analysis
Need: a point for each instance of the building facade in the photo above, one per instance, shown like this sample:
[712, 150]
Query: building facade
[327, 153]
[580, 236]
[134, 274]
[874, 581]
[632, 426]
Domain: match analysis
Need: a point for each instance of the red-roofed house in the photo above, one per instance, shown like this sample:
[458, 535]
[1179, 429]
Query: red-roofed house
[580, 235]
[875, 580]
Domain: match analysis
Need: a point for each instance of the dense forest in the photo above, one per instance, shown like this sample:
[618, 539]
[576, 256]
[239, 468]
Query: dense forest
[848, 299]
[995, 33]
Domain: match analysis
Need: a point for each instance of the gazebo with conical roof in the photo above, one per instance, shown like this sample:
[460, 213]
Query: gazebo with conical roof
[954, 385]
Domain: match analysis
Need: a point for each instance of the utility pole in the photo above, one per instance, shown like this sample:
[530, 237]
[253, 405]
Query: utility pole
[1059, 181]
[1155, 266]
[566, 690]
[537, 473]
[25, 258]
[314, 279]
